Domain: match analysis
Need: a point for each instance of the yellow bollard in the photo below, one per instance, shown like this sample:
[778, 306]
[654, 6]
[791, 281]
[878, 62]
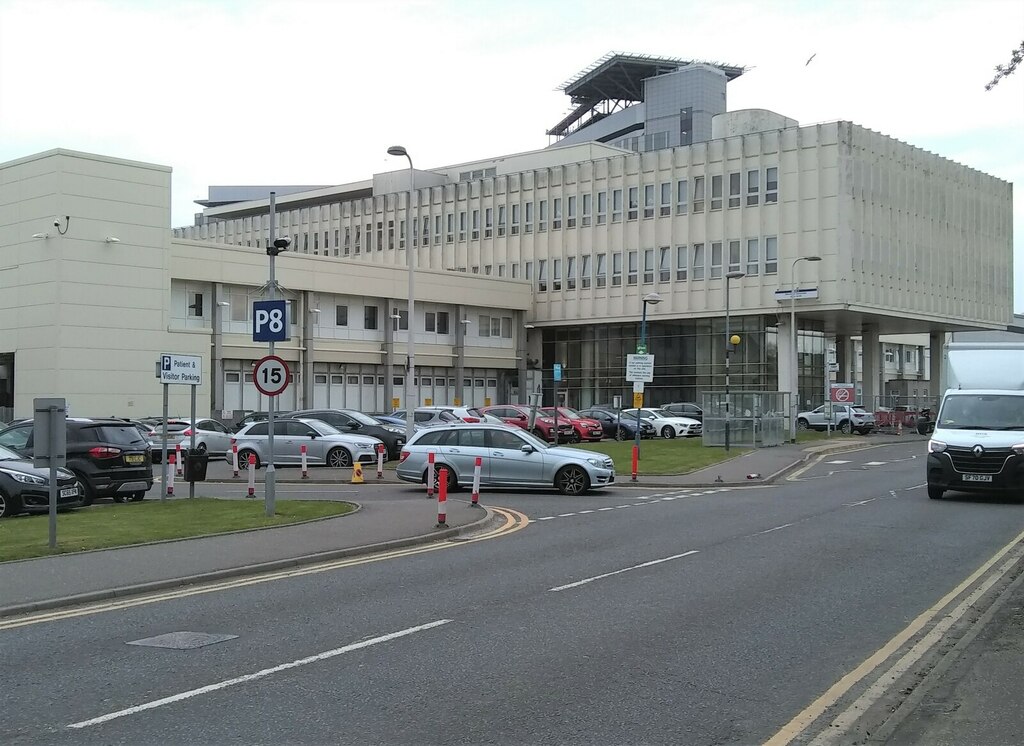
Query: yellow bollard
[357, 473]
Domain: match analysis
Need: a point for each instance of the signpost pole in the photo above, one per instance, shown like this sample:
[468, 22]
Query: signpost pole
[163, 450]
[54, 424]
[192, 443]
[271, 477]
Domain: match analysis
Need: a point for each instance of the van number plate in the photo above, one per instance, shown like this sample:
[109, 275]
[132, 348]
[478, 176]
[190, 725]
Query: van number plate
[977, 477]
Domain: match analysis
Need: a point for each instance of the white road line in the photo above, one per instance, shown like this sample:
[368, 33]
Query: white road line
[546, 518]
[258, 675]
[584, 512]
[603, 509]
[837, 462]
[862, 502]
[619, 572]
[916, 486]
[875, 463]
[623, 506]
[777, 528]
[565, 515]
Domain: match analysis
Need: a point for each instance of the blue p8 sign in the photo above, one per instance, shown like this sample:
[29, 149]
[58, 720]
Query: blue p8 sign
[269, 321]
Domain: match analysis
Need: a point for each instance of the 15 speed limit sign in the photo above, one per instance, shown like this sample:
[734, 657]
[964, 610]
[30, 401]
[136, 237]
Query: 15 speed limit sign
[270, 375]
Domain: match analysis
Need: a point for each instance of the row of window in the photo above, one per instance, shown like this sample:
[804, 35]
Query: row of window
[369, 380]
[754, 256]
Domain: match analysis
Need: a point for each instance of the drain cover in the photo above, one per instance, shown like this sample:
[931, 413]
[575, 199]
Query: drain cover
[182, 640]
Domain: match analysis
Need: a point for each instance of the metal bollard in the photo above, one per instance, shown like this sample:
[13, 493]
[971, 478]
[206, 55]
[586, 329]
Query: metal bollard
[380, 461]
[234, 457]
[177, 454]
[252, 475]
[430, 475]
[170, 475]
[305, 473]
[442, 498]
[636, 459]
[476, 482]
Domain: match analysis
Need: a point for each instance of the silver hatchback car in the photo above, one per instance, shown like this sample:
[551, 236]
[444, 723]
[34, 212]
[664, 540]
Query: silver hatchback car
[510, 457]
[324, 444]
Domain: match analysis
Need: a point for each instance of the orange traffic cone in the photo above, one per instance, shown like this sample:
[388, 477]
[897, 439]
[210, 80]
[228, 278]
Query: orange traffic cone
[357, 473]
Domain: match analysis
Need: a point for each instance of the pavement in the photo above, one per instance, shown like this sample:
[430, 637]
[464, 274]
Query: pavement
[955, 712]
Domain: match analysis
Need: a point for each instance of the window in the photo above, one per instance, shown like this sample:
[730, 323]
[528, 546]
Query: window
[341, 315]
[488, 222]
[370, 317]
[631, 277]
[542, 275]
[716, 260]
[476, 225]
[771, 255]
[753, 186]
[501, 220]
[556, 217]
[698, 194]
[429, 322]
[771, 185]
[380, 235]
[484, 327]
[449, 228]
[515, 220]
[348, 240]
[359, 233]
[682, 195]
[716, 192]
[195, 308]
[506, 333]
[462, 225]
[734, 256]
[542, 216]
[734, 189]
[529, 271]
[602, 207]
[426, 229]
[681, 263]
[442, 322]
[585, 271]
[649, 200]
[648, 266]
[437, 229]
[617, 269]
[753, 257]
[890, 355]
[587, 205]
[634, 203]
[617, 206]
[391, 234]
[402, 322]
[487, 269]
[665, 264]
[496, 326]
[602, 270]
[556, 274]
[570, 218]
[698, 261]
[666, 199]
[570, 273]
[528, 220]
[515, 271]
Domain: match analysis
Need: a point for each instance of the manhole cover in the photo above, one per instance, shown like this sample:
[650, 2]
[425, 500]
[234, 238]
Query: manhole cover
[182, 640]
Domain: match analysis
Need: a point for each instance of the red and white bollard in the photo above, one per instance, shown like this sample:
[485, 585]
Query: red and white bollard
[380, 461]
[430, 474]
[305, 473]
[442, 498]
[170, 475]
[636, 459]
[476, 482]
[252, 475]
[234, 457]
[177, 453]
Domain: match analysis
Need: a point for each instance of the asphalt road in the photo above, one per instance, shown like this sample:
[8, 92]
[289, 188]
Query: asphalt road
[629, 616]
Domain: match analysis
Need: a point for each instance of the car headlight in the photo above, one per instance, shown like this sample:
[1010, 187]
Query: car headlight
[394, 429]
[17, 476]
[364, 445]
[1018, 449]
[936, 446]
[595, 461]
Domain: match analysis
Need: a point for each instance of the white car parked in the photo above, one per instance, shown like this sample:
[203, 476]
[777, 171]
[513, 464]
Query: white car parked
[666, 424]
[325, 445]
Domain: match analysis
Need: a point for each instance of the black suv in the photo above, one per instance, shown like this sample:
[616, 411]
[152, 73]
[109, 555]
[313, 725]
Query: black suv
[352, 421]
[109, 456]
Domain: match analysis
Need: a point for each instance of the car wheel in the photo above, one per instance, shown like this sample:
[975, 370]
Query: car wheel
[540, 433]
[243, 459]
[88, 493]
[802, 424]
[668, 432]
[622, 434]
[201, 448]
[575, 437]
[453, 480]
[845, 427]
[8, 506]
[572, 480]
[935, 493]
[339, 458]
[138, 497]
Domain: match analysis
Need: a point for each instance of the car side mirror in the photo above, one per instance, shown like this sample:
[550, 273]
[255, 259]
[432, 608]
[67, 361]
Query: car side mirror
[521, 417]
[313, 436]
[353, 426]
[526, 448]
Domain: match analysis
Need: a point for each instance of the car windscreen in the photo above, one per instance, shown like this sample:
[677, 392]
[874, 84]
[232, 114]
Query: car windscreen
[6, 454]
[662, 413]
[322, 427]
[533, 439]
[126, 435]
[982, 412]
[172, 427]
[363, 419]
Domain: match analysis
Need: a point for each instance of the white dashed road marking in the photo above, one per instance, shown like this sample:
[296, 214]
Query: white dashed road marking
[648, 500]
[837, 462]
[876, 463]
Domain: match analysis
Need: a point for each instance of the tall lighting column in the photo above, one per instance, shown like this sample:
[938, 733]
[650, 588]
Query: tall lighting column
[728, 348]
[410, 363]
[652, 299]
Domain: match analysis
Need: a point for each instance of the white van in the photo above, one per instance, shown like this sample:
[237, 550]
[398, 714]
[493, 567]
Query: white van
[978, 443]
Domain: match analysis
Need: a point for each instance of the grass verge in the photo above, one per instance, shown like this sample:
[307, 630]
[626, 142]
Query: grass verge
[662, 456]
[105, 526]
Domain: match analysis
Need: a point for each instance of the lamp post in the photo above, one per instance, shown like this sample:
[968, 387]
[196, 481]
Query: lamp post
[652, 299]
[410, 363]
[729, 342]
[794, 375]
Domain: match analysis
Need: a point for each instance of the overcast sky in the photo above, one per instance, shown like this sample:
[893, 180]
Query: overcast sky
[313, 92]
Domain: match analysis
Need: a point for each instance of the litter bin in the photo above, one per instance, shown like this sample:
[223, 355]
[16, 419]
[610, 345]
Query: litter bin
[194, 467]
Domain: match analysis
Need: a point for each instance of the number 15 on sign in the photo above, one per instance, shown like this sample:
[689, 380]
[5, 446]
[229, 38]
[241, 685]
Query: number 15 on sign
[271, 375]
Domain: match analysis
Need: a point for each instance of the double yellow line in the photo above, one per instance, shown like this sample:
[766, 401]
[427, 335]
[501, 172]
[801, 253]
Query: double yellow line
[513, 521]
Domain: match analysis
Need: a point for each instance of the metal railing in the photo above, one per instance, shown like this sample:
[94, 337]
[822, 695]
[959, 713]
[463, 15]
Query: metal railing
[757, 419]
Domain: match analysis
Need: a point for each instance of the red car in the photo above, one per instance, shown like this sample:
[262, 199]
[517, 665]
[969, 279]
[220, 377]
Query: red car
[584, 428]
[543, 426]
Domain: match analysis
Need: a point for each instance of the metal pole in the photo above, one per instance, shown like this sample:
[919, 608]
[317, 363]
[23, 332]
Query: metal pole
[411, 399]
[794, 374]
[192, 443]
[643, 344]
[53, 475]
[728, 347]
[271, 476]
[163, 452]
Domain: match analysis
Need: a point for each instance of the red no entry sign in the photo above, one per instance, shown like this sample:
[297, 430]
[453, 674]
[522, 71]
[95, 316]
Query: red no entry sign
[841, 393]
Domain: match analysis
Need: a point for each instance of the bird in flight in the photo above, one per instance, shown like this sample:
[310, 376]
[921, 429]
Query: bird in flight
[810, 58]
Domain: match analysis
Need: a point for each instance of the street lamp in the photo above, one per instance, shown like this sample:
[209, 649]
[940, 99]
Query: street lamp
[794, 374]
[410, 363]
[652, 299]
[730, 340]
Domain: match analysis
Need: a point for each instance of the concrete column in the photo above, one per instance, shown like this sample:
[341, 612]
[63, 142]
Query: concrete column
[518, 319]
[784, 357]
[871, 361]
[460, 355]
[217, 350]
[845, 358]
[936, 368]
[389, 356]
[307, 352]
